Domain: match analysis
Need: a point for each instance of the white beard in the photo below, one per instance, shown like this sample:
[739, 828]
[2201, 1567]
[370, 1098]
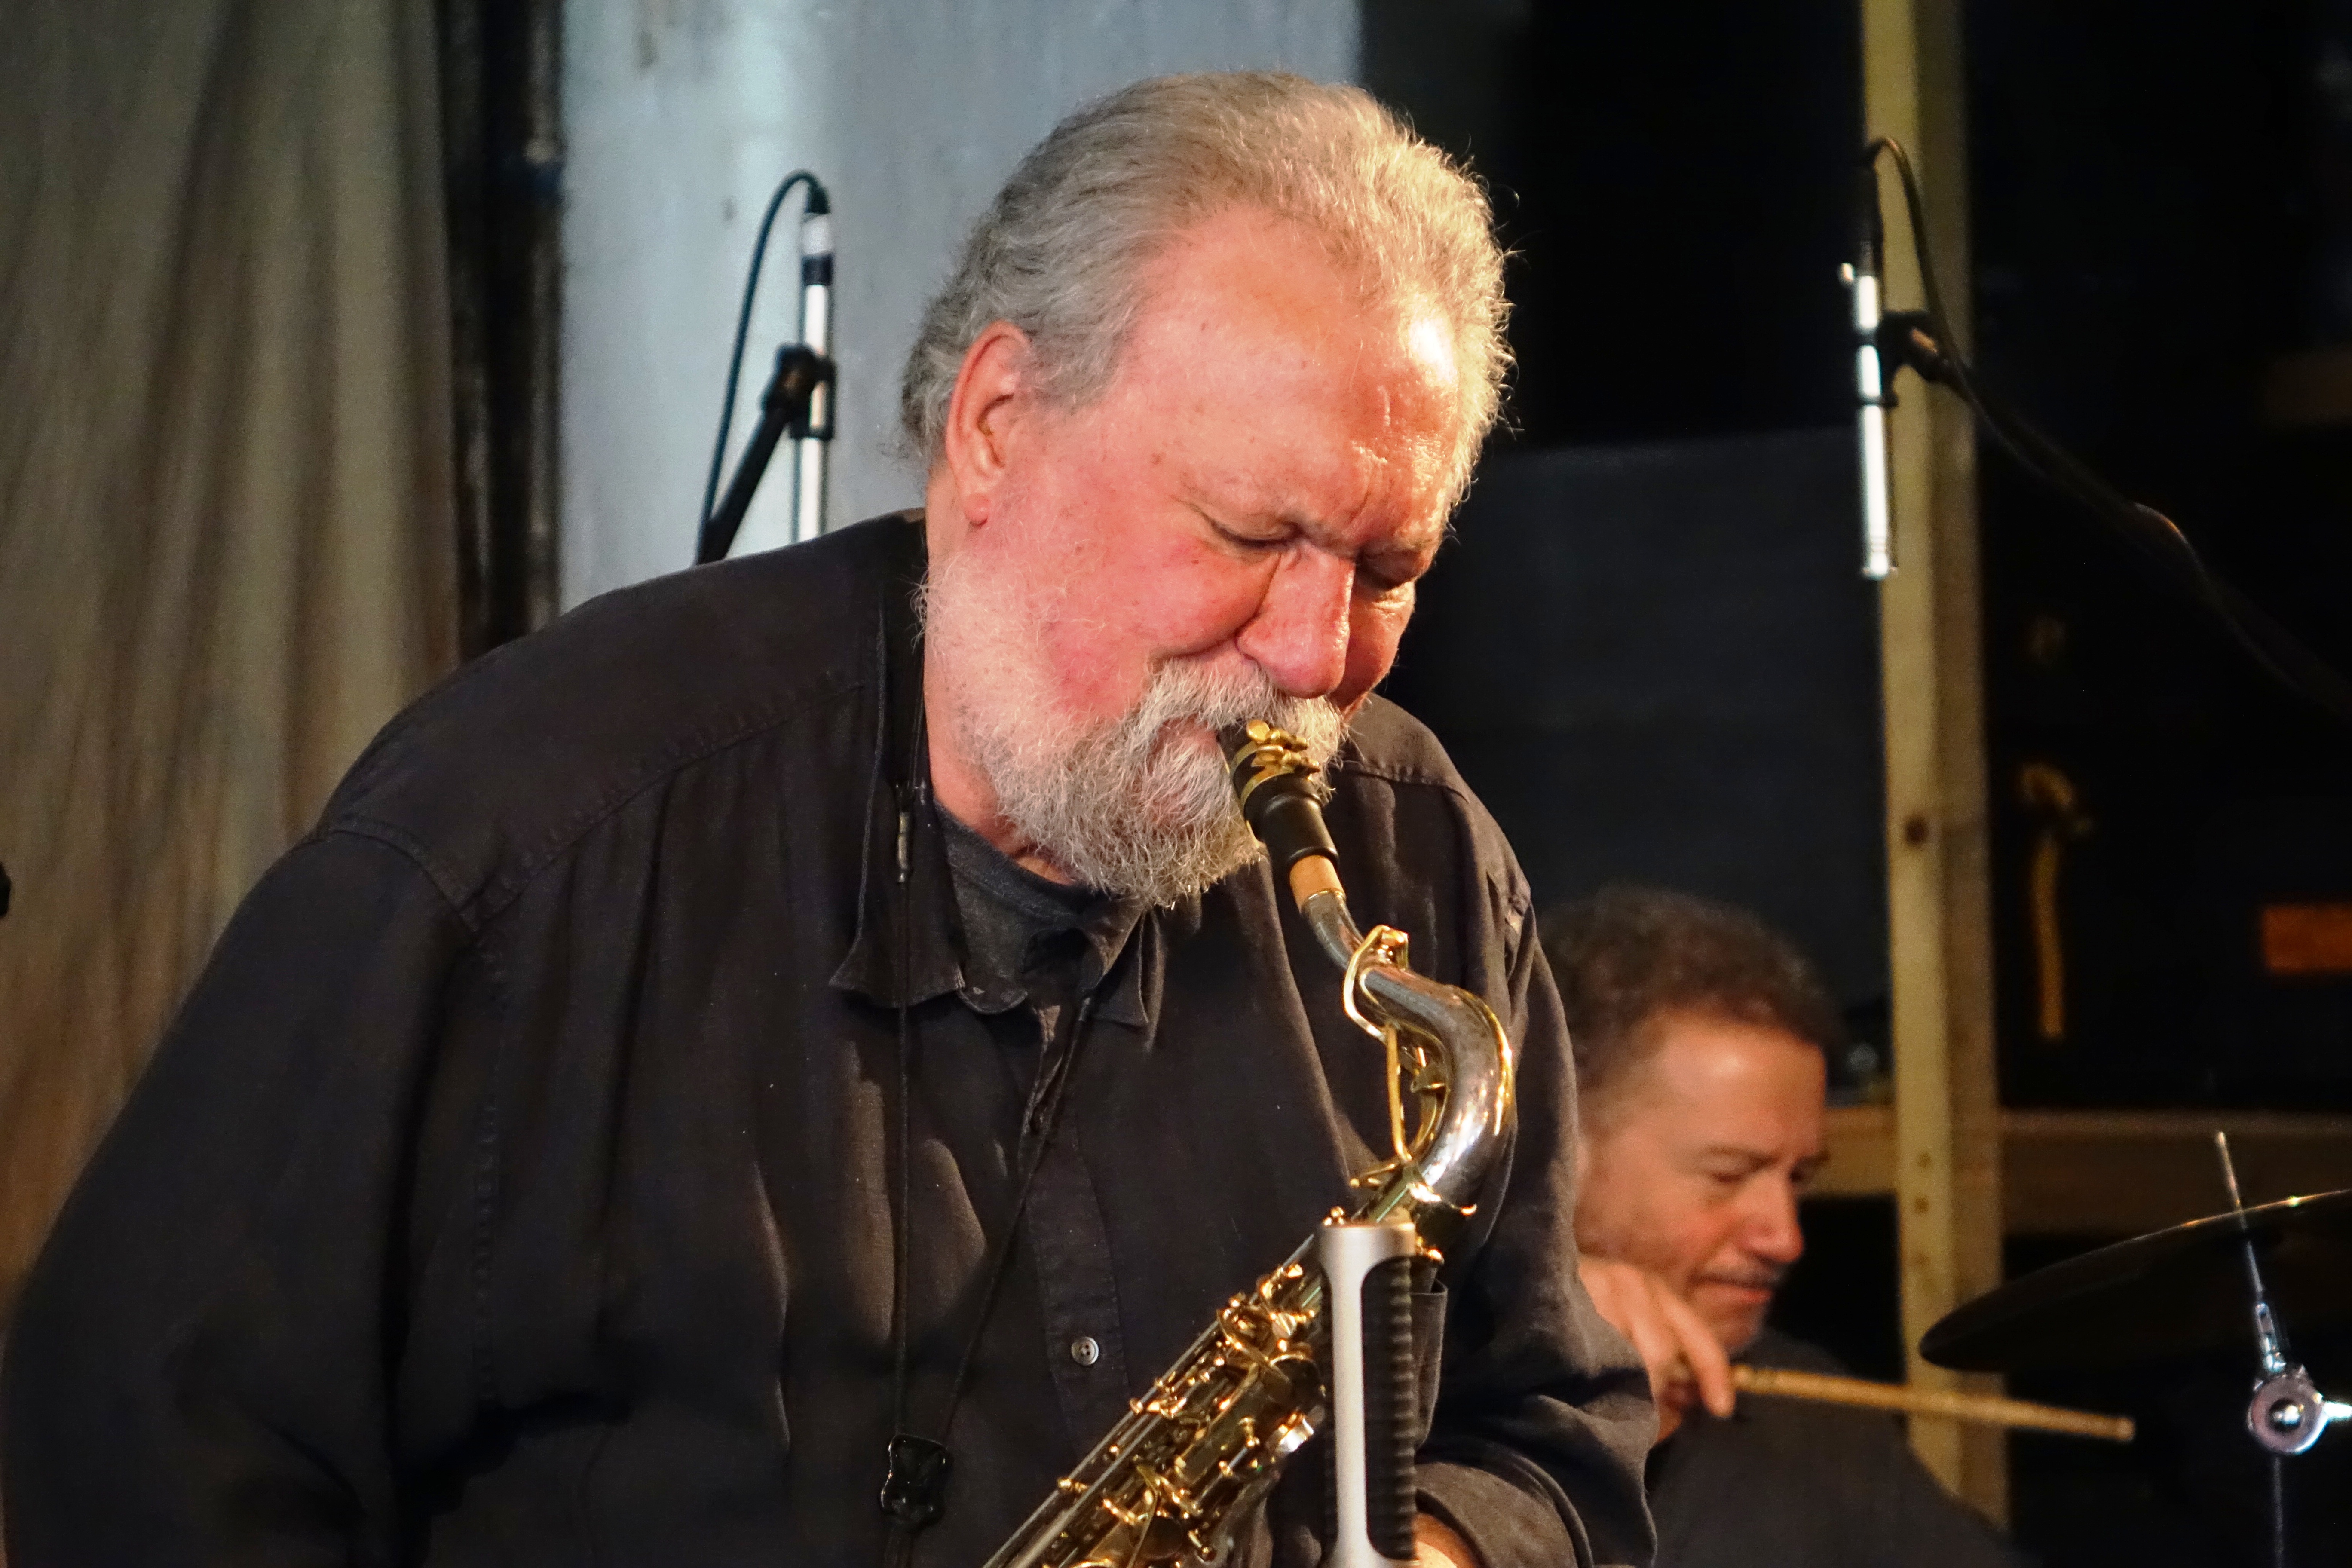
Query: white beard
[1137, 806]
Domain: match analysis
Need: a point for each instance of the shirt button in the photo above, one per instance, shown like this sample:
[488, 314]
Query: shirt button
[1085, 1351]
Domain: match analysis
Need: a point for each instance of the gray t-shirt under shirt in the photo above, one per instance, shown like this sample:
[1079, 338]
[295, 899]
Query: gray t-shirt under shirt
[1026, 938]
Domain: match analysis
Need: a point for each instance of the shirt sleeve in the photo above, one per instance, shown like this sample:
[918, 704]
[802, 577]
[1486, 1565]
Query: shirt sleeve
[198, 1368]
[1544, 1420]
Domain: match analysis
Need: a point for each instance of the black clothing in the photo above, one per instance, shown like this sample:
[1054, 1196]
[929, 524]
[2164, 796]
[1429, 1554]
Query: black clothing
[1789, 1484]
[1025, 937]
[514, 1186]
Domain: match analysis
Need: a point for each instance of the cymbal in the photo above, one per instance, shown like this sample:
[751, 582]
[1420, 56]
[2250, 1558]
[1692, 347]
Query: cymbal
[2171, 1292]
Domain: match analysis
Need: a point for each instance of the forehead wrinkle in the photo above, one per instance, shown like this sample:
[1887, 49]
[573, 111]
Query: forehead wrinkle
[1372, 468]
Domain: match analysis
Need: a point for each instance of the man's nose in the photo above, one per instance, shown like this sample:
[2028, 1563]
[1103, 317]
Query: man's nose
[1772, 1233]
[1299, 635]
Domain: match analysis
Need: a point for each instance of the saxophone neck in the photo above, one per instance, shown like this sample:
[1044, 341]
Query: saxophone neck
[1281, 793]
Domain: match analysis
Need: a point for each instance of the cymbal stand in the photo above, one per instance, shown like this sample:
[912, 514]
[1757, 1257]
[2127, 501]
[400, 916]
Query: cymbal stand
[2287, 1413]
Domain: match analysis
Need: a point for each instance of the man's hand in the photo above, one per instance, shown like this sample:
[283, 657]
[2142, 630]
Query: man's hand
[1435, 1545]
[1684, 1360]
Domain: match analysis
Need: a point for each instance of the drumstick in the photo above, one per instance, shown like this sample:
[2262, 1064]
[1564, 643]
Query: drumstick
[1981, 1407]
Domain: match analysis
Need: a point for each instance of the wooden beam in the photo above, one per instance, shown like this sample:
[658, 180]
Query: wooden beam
[1946, 1160]
[2113, 1174]
[2125, 1172]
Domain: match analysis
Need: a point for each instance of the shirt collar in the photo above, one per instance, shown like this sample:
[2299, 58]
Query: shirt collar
[1110, 935]
[1116, 934]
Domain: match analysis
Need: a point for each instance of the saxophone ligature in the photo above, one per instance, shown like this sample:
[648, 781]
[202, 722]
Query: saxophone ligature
[1324, 1341]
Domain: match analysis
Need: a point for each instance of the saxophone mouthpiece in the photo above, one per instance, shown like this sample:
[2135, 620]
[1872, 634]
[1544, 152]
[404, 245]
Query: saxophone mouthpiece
[1280, 791]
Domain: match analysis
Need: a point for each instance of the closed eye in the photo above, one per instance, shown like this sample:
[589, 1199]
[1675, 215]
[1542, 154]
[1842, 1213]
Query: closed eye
[1729, 1168]
[1251, 541]
[1388, 576]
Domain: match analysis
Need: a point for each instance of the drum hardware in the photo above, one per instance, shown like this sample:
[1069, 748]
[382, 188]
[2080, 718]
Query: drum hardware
[2170, 1293]
[2287, 1412]
[2193, 1288]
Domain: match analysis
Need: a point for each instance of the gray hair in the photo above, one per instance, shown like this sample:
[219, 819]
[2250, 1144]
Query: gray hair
[1056, 254]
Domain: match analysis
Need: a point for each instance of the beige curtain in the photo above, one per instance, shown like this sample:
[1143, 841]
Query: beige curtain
[226, 550]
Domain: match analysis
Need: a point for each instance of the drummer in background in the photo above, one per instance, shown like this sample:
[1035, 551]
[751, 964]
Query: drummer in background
[1701, 1041]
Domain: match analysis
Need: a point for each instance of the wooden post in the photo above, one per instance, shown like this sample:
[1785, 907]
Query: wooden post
[1946, 1138]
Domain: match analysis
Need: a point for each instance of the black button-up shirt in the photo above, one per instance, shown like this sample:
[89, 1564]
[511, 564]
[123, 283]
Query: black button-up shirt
[517, 1183]
[1786, 1483]
[1032, 950]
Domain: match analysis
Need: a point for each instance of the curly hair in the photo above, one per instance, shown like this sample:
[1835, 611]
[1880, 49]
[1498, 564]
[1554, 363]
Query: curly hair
[1627, 956]
[1057, 252]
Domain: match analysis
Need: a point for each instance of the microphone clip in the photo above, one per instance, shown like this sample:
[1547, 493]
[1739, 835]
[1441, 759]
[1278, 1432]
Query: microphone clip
[785, 409]
[801, 371]
[1905, 340]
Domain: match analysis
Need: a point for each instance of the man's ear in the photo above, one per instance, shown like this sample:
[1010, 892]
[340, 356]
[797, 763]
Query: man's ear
[991, 398]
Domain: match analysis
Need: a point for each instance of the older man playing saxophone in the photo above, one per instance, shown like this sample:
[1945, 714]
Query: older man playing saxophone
[811, 1029]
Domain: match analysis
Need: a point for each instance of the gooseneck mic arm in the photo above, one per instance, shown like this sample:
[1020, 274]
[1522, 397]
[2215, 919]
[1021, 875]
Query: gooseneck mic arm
[1923, 341]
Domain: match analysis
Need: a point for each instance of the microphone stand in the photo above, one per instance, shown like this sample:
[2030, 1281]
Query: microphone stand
[798, 401]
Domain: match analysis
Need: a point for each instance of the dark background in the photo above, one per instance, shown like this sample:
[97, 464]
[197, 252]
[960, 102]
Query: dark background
[2159, 207]
[1651, 651]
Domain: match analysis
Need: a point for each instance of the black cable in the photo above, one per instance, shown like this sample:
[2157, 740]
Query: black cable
[923, 1499]
[919, 1503]
[1038, 1122]
[902, 1334]
[817, 205]
[1914, 208]
[2277, 651]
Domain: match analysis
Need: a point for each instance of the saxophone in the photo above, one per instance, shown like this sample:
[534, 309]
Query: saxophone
[1177, 1475]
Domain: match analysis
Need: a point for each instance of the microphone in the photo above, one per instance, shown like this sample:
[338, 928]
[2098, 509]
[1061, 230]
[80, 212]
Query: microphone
[816, 336]
[1864, 276]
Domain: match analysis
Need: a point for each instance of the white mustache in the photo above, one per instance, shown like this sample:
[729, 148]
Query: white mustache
[1183, 691]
